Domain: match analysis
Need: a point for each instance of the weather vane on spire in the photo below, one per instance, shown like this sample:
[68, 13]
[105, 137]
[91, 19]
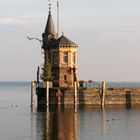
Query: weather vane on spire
[49, 6]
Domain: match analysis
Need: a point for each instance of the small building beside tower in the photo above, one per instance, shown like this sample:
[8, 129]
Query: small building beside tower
[61, 53]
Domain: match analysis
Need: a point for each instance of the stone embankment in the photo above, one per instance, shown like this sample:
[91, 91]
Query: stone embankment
[127, 96]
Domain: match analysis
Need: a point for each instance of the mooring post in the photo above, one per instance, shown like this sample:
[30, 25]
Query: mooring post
[37, 77]
[47, 93]
[32, 92]
[75, 93]
[103, 93]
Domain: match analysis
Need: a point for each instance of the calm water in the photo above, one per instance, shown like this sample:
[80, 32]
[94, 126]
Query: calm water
[19, 122]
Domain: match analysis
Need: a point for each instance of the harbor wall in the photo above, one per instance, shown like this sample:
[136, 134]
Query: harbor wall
[127, 96]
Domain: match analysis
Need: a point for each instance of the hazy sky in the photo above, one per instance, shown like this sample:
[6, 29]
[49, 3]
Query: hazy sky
[107, 32]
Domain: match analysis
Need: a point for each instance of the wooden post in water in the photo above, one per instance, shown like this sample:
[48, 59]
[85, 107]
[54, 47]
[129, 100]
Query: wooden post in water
[47, 93]
[37, 77]
[32, 92]
[103, 93]
[75, 93]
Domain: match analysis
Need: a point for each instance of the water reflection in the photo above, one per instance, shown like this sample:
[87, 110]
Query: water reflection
[103, 120]
[32, 121]
[69, 123]
[56, 123]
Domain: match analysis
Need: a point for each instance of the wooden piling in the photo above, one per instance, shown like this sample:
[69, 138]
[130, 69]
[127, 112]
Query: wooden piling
[32, 92]
[37, 76]
[103, 93]
[47, 93]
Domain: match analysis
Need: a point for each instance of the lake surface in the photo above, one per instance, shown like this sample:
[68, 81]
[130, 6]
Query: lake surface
[18, 121]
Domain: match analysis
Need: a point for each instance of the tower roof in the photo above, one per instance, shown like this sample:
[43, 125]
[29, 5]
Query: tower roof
[62, 41]
[50, 29]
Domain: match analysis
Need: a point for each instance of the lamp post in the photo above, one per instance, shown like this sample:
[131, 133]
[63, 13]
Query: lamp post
[75, 84]
[40, 41]
[34, 38]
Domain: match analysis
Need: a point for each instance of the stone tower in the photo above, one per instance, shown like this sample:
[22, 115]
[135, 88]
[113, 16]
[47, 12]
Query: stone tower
[62, 53]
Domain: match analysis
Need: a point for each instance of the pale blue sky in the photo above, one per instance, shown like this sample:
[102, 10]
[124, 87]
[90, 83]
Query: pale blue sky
[107, 32]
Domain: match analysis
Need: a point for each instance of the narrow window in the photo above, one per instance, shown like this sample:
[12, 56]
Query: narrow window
[65, 77]
[73, 58]
[55, 58]
[65, 57]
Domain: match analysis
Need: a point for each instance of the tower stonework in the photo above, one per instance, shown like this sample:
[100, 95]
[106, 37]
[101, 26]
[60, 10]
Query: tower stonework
[62, 54]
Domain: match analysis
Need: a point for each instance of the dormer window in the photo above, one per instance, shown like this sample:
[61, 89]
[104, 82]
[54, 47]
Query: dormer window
[65, 57]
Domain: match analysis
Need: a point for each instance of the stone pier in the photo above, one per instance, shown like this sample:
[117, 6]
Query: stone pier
[127, 96]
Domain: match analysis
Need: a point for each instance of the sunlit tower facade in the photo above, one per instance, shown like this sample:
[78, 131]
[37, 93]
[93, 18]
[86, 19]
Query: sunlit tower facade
[62, 54]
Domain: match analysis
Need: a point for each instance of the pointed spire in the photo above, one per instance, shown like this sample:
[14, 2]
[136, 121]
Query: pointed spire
[50, 29]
